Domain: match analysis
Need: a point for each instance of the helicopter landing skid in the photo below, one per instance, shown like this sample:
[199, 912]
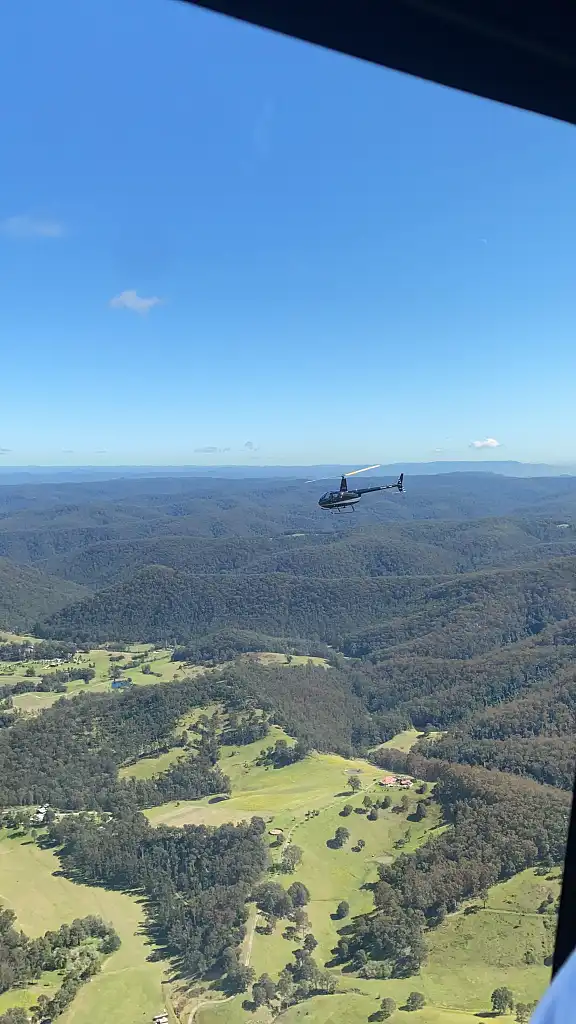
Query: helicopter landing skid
[344, 509]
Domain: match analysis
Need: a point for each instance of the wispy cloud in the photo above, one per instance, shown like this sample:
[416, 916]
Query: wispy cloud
[488, 442]
[5, 451]
[210, 449]
[67, 451]
[137, 303]
[31, 227]
[101, 451]
[250, 446]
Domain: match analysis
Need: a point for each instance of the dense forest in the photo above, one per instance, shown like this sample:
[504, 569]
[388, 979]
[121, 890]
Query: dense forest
[197, 879]
[69, 756]
[27, 594]
[415, 615]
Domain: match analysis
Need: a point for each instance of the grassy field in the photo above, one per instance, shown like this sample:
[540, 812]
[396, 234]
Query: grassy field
[470, 954]
[163, 670]
[129, 989]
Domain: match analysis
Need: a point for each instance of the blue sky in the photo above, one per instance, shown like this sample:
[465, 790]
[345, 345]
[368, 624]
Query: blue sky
[352, 264]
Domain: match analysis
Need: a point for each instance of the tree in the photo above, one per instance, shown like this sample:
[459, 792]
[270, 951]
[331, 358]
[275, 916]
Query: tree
[14, 1015]
[387, 1008]
[415, 1001]
[354, 783]
[272, 898]
[361, 844]
[341, 835]
[367, 801]
[241, 978]
[522, 1013]
[386, 802]
[502, 1000]
[373, 814]
[263, 990]
[342, 910]
[229, 960]
[111, 943]
[299, 894]
[300, 918]
[361, 958]
[421, 811]
[346, 810]
[291, 857]
[310, 943]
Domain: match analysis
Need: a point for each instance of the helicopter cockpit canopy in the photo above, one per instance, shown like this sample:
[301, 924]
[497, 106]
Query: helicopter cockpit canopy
[330, 496]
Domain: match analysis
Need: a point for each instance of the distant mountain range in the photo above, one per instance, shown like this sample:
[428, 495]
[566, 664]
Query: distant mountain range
[77, 474]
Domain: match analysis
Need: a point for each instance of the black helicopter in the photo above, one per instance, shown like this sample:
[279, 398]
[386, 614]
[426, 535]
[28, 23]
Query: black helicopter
[344, 500]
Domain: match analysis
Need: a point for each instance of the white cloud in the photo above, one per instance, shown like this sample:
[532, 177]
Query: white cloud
[250, 446]
[210, 449]
[31, 227]
[5, 451]
[131, 300]
[488, 442]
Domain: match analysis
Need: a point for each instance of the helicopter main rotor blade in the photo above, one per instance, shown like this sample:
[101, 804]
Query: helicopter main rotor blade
[353, 472]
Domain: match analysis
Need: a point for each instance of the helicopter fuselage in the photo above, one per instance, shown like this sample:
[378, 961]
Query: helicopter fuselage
[344, 500]
[336, 501]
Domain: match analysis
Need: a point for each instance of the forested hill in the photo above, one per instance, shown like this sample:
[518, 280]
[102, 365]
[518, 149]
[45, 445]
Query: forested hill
[421, 548]
[41, 524]
[26, 594]
[474, 612]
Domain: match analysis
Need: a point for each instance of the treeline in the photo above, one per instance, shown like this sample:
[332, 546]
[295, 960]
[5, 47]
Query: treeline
[38, 650]
[70, 754]
[547, 759]
[51, 682]
[498, 826]
[23, 960]
[228, 644]
[196, 879]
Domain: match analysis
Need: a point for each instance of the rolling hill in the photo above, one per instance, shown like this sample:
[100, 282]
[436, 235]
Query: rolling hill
[466, 615]
[27, 594]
